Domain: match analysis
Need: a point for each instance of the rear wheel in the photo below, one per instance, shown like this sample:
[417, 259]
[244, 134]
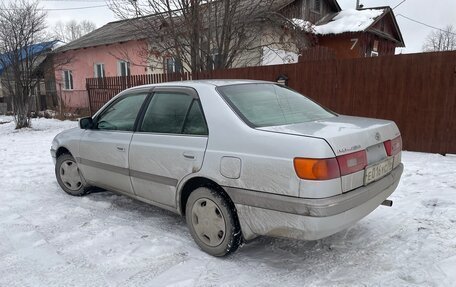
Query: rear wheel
[212, 222]
[69, 177]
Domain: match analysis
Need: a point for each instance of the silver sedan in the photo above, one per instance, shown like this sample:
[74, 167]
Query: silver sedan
[237, 158]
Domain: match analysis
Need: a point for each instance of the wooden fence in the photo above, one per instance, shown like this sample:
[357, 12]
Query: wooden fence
[101, 90]
[417, 91]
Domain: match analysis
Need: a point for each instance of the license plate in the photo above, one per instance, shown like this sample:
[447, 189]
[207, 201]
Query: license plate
[378, 170]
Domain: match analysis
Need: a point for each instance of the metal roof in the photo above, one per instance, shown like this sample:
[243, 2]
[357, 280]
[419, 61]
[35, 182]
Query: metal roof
[32, 50]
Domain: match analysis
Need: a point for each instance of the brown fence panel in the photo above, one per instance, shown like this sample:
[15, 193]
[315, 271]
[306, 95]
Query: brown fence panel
[417, 91]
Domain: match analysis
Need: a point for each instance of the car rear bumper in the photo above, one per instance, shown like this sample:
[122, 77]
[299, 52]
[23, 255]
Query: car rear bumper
[283, 216]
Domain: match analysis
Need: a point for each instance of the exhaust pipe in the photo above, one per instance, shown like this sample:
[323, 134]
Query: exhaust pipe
[387, 202]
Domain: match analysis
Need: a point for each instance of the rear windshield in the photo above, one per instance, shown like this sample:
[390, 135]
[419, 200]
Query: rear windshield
[262, 105]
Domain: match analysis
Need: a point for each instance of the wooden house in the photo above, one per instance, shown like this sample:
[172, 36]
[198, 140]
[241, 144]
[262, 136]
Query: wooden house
[357, 33]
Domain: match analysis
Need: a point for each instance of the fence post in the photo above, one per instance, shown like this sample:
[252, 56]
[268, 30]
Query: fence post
[89, 98]
[60, 101]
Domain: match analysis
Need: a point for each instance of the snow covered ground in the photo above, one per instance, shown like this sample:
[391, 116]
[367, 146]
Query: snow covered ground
[48, 238]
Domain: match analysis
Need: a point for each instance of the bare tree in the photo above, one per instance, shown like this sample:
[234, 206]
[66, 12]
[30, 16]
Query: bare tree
[441, 40]
[87, 26]
[22, 25]
[72, 30]
[201, 35]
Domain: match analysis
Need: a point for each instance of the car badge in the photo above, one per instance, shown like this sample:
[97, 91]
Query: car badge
[377, 136]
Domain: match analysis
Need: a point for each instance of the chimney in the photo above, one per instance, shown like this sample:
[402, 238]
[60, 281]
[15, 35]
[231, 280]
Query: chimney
[357, 4]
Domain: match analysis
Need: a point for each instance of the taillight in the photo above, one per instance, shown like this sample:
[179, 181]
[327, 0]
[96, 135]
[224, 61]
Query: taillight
[316, 169]
[353, 162]
[393, 146]
[329, 168]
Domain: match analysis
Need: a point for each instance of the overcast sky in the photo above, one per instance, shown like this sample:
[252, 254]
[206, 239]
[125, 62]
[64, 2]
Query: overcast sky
[437, 13]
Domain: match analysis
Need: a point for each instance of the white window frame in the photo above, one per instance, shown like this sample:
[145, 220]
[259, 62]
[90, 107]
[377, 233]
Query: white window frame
[165, 64]
[126, 66]
[68, 85]
[95, 70]
[375, 46]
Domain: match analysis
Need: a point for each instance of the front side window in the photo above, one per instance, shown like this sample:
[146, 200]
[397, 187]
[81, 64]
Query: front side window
[68, 80]
[174, 113]
[262, 105]
[99, 71]
[122, 114]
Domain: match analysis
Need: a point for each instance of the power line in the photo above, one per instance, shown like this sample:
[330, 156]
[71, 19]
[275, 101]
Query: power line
[74, 8]
[399, 4]
[424, 24]
[64, 9]
[72, 0]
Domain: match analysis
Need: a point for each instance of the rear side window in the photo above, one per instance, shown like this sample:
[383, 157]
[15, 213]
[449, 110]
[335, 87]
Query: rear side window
[122, 114]
[195, 123]
[261, 105]
[174, 113]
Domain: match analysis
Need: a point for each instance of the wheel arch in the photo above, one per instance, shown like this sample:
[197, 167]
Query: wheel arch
[62, 150]
[200, 181]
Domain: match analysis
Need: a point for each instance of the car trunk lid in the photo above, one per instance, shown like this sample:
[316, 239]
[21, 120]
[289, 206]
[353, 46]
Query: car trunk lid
[345, 134]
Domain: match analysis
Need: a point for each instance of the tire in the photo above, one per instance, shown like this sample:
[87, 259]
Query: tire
[69, 177]
[212, 222]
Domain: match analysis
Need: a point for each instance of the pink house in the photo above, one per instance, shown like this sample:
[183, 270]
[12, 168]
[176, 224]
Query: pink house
[115, 49]
[120, 48]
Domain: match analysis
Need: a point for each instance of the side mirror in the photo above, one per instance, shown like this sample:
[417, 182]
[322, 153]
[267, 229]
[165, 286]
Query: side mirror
[86, 123]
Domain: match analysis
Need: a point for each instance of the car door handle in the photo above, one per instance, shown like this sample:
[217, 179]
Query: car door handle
[119, 148]
[189, 155]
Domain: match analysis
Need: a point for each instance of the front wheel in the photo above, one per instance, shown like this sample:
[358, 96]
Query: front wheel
[212, 222]
[69, 177]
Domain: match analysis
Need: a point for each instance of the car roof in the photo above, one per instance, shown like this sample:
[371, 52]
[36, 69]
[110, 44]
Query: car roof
[192, 83]
[227, 82]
